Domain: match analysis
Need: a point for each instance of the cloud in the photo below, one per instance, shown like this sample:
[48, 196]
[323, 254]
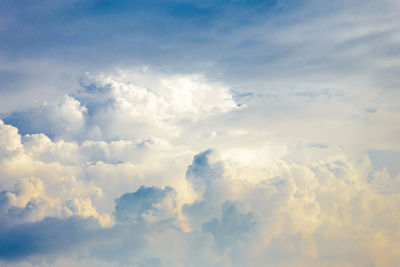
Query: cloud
[147, 203]
[228, 133]
[63, 120]
[51, 235]
[9, 138]
[297, 214]
[83, 207]
[234, 226]
[206, 168]
[269, 203]
[108, 108]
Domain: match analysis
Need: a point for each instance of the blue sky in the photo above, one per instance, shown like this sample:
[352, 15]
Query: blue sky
[199, 133]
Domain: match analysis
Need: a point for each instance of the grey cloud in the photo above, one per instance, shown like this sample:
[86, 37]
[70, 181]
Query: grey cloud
[12, 215]
[203, 172]
[206, 176]
[51, 235]
[235, 226]
[131, 206]
[62, 120]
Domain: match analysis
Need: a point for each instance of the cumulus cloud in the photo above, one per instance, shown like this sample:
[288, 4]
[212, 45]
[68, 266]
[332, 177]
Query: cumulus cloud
[323, 213]
[116, 163]
[147, 203]
[84, 208]
[132, 198]
[26, 203]
[9, 138]
[114, 107]
[63, 120]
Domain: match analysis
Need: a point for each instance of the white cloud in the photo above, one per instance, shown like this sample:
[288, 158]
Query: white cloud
[120, 160]
[291, 213]
[10, 140]
[120, 109]
[114, 107]
[83, 207]
[67, 118]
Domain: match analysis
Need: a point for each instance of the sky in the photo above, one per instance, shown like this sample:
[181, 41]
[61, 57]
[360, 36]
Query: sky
[199, 133]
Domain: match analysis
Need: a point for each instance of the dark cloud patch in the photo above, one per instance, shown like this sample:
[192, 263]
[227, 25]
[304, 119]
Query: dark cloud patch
[202, 172]
[235, 225]
[206, 176]
[11, 215]
[131, 206]
[50, 235]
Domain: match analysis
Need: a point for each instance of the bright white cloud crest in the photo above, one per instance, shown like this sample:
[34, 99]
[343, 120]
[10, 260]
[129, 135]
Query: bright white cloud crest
[108, 108]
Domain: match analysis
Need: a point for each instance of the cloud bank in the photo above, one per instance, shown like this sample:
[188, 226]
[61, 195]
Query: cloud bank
[95, 189]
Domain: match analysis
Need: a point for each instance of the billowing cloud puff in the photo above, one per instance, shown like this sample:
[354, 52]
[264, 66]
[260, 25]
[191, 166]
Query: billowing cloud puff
[205, 169]
[84, 208]
[109, 108]
[147, 203]
[26, 203]
[10, 140]
[62, 120]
